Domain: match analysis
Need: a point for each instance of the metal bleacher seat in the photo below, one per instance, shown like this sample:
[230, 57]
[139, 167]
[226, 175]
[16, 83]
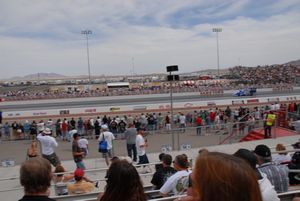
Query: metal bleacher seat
[93, 195]
[80, 198]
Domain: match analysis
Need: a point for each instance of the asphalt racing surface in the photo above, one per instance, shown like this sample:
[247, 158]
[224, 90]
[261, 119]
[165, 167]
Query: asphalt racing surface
[127, 100]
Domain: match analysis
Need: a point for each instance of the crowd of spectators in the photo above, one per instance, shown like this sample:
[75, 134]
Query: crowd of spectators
[207, 120]
[209, 89]
[278, 77]
[267, 75]
[254, 173]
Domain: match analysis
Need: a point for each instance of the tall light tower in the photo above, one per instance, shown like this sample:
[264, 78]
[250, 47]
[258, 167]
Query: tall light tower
[86, 33]
[217, 31]
[171, 78]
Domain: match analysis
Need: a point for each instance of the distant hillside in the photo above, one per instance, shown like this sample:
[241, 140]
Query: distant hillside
[295, 63]
[38, 76]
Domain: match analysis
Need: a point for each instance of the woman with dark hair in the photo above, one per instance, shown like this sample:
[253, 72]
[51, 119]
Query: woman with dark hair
[123, 183]
[222, 177]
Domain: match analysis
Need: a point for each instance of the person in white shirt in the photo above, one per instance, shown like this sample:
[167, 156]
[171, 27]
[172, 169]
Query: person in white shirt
[108, 137]
[48, 144]
[70, 135]
[282, 157]
[84, 145]
[182, 122]
[40, 126]
[141, 144]
[178, 183]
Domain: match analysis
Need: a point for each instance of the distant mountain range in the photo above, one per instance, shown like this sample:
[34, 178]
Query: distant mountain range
[38, 76]
[58, 76]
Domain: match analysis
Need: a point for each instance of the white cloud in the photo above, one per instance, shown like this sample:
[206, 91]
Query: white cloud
[44, 36]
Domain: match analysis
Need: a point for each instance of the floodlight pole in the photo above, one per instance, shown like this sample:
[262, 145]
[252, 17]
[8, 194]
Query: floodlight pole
[86, 33]
[171, 119]
[217, 31]
[171, 78]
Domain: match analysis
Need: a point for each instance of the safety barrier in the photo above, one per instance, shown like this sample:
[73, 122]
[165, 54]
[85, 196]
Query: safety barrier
[94, 195]
[87, 198]
[288, 196]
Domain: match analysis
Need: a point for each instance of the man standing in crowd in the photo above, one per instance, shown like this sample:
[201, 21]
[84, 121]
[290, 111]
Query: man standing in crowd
[277, 174]
[199, 124]
[270, 120]
[48, 144]
[78, 153]
[83, 143]
[179, 182]
[130, 136]
[0, 117]
[141, 144]
[41, 126]
[35, 177]
[64, 129]
[161, 175]
[80, 126]
[182, 122]
[108, 137]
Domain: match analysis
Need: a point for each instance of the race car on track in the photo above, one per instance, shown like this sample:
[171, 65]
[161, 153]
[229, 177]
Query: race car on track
[245, 92]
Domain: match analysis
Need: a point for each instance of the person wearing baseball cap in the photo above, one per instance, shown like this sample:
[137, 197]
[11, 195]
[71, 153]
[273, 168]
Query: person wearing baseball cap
[48, 144]
[276, 173]
[108, 137]
[81, 185]
[267, 189]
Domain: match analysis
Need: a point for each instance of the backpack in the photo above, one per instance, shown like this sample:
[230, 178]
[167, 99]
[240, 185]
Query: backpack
[103, 145]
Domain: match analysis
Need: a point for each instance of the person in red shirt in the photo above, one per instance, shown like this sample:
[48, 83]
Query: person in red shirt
[64, 129]
[199, 124]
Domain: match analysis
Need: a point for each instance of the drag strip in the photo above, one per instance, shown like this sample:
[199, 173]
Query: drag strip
[129, 100]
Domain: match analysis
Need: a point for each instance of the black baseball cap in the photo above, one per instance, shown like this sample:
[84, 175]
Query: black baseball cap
[262, 150]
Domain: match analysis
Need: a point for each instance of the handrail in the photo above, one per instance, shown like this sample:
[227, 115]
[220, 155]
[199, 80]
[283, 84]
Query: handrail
[91, 195]
[97, 180]
[88, 170]
[171, 198]
[288, 193]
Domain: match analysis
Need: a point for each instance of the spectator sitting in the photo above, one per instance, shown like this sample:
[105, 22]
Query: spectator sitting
[267, 190]
[219, 176]
[35, 177]
[123, 183]
[177, 183]
[160, 165]
[282, 157]
[277, 174]
[163, 173]
[294, 165]
[81, 185]
[60, 180]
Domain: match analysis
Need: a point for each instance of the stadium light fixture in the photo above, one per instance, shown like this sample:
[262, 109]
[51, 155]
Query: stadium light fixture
[172, 78]
[217, 31]
[87, 33]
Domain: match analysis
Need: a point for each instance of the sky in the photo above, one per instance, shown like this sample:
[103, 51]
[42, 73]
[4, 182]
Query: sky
[144, 36]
